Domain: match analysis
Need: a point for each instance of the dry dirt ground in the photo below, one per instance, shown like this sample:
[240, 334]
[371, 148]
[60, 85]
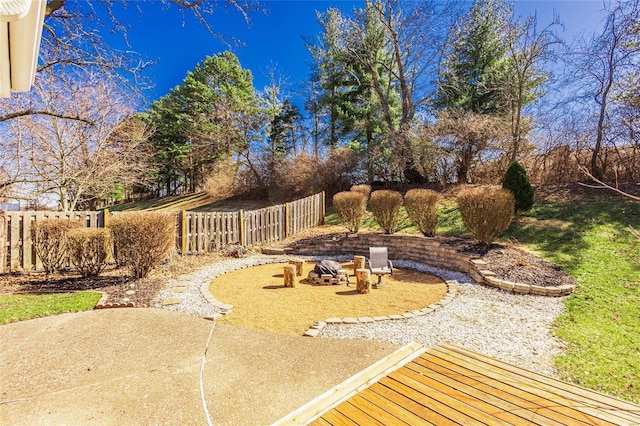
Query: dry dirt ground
[260, 301]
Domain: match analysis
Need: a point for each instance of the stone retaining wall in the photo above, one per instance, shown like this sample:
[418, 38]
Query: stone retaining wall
[422, 250]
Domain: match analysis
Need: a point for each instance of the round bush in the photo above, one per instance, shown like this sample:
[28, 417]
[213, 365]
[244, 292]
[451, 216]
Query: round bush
[422, 208]
[363, 188]
[350, 207]
[517, 181]
[49, 237]
[142, 240]
[385, 206]
[486, 211]
[89, 249]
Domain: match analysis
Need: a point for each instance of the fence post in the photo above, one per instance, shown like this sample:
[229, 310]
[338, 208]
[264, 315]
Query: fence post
[324, 208]
[183, 232]
[241, 229]
[286, 219]
[105, 218]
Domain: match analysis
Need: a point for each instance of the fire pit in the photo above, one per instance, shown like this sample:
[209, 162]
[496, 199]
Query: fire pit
[328, 272]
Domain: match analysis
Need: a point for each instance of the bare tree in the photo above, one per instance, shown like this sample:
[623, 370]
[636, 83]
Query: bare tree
[528, 48]
[469, 136]
[71, 159]
[72, 39]
[376, 70]
[602, 63]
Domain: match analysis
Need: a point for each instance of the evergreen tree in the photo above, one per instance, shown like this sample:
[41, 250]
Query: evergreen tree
[202, 120]
[352, 62]
[474, 64]
[282, 132]
[517, 181]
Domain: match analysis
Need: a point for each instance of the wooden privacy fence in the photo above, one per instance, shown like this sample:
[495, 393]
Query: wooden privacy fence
[197, 232]
[17, 252]
[206, 231]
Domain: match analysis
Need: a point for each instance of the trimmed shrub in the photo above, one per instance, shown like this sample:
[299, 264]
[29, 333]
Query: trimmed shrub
[363, 188]
[517, 181]
[422, 208]
[89, 249]
[49, 237]
[486, 211]
[350, 207]
[142, 240]
[385, 206]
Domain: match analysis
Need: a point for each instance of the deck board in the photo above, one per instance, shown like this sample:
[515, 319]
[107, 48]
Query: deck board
[498, 407]
[449, 385]
[357, 413]
[589, 408]
[429, 416]
[530, 398]
[598, 404]
[391, 407]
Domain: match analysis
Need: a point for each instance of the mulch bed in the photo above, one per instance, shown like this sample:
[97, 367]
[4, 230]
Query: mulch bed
[513, 264]
[113, 282]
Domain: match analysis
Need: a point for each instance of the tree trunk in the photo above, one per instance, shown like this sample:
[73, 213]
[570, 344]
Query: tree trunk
[298, 264]
[289, 275]
[358, 263]
[363, 281]
[596, 170]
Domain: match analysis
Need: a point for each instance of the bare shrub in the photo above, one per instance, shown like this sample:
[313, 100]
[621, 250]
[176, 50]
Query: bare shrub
[49, 237]
[339, 170]
[220, 183]
[486, 211]
[422, 208]
[89, 249]
[350, 207]
[293, 179]
[385, 206]
[363, 188]
[142, 240]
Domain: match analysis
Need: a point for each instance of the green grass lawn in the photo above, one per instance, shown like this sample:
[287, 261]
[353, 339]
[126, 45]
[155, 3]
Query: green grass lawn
[601, 325]
[19, 307]
[591, 241]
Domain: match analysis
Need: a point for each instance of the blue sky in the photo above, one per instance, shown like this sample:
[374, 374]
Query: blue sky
[177, 44]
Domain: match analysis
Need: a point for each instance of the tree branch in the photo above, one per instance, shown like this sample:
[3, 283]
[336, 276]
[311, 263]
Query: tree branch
[26, 112]
[54, 5]
[603, 185]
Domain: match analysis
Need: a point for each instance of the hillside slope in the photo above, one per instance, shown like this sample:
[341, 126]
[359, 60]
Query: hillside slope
[193, 202]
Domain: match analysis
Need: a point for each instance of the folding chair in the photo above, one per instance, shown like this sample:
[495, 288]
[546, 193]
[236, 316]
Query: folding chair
[379, 263]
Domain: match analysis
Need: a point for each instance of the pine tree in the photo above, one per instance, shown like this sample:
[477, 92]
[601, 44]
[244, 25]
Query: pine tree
[517, 181]
[473, 66]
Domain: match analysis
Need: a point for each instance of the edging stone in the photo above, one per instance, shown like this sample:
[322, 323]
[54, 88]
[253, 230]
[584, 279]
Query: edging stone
[479, 271]
[104, 304]
[452, 291]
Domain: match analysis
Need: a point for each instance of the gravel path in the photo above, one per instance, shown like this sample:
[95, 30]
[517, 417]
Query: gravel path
[193, 302]
[511, 327]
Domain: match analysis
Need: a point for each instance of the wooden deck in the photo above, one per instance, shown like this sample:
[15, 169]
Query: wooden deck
[448, 385]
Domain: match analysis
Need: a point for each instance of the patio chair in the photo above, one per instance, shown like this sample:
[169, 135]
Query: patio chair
[379, 263]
